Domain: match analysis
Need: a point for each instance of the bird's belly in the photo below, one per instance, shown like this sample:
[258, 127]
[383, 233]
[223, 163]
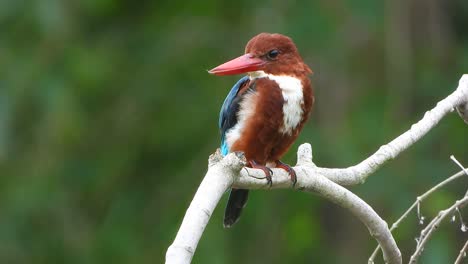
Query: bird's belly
[263, 143]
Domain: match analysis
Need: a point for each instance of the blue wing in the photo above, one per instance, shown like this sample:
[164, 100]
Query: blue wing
[228, 113]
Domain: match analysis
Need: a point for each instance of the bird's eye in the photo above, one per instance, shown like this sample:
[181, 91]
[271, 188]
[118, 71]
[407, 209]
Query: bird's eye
[272, 54]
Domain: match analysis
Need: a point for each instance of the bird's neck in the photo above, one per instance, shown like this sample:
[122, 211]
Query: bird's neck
[279, 78]
[289, 85]
[257, 74]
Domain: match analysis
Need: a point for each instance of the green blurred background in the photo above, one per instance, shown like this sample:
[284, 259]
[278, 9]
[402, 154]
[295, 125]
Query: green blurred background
[108, 116]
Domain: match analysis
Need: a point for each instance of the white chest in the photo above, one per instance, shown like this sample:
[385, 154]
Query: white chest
[291, 89]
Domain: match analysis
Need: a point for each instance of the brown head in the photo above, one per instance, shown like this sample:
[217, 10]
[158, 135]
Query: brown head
[272, 53]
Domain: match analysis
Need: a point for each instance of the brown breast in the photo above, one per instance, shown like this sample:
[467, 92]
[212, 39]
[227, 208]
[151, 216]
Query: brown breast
[261, 139]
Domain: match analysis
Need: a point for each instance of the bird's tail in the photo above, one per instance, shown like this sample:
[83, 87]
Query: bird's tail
[237, 200]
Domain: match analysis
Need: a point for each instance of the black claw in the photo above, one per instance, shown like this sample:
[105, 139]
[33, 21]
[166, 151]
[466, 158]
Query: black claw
[293, 176]
[287, 168]
[268, 172]
[269, 180]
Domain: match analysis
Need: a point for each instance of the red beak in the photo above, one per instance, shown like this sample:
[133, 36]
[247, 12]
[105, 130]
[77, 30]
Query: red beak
[242, 64]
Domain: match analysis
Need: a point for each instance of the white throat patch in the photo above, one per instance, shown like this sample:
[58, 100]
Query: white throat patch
[291, 89]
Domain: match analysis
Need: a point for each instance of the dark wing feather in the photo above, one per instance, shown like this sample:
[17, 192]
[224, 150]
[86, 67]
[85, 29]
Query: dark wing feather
[228, 113]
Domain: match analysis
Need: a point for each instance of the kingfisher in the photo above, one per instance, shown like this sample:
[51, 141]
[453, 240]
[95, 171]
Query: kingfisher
[265, 110]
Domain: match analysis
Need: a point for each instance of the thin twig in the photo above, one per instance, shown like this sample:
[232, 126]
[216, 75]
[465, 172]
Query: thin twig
[427, 232]
[459, 164]
[419, 199]
[462, 253]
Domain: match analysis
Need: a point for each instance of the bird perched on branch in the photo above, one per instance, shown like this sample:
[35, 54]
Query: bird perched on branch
[265, 110]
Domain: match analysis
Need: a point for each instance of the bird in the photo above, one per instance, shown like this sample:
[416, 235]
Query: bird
[265, 110]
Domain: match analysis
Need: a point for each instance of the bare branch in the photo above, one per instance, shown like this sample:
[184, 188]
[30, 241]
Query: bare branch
[459, 164]
[463, 111]
[419, 200]
[307, 180]
[427, 232]
[221, 175]
[218, 179]
[462, 253]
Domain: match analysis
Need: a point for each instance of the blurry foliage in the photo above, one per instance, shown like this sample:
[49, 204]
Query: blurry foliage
[107, 117]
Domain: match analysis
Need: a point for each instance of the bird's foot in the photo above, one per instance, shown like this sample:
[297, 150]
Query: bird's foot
[268, 172]
[289, 170]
